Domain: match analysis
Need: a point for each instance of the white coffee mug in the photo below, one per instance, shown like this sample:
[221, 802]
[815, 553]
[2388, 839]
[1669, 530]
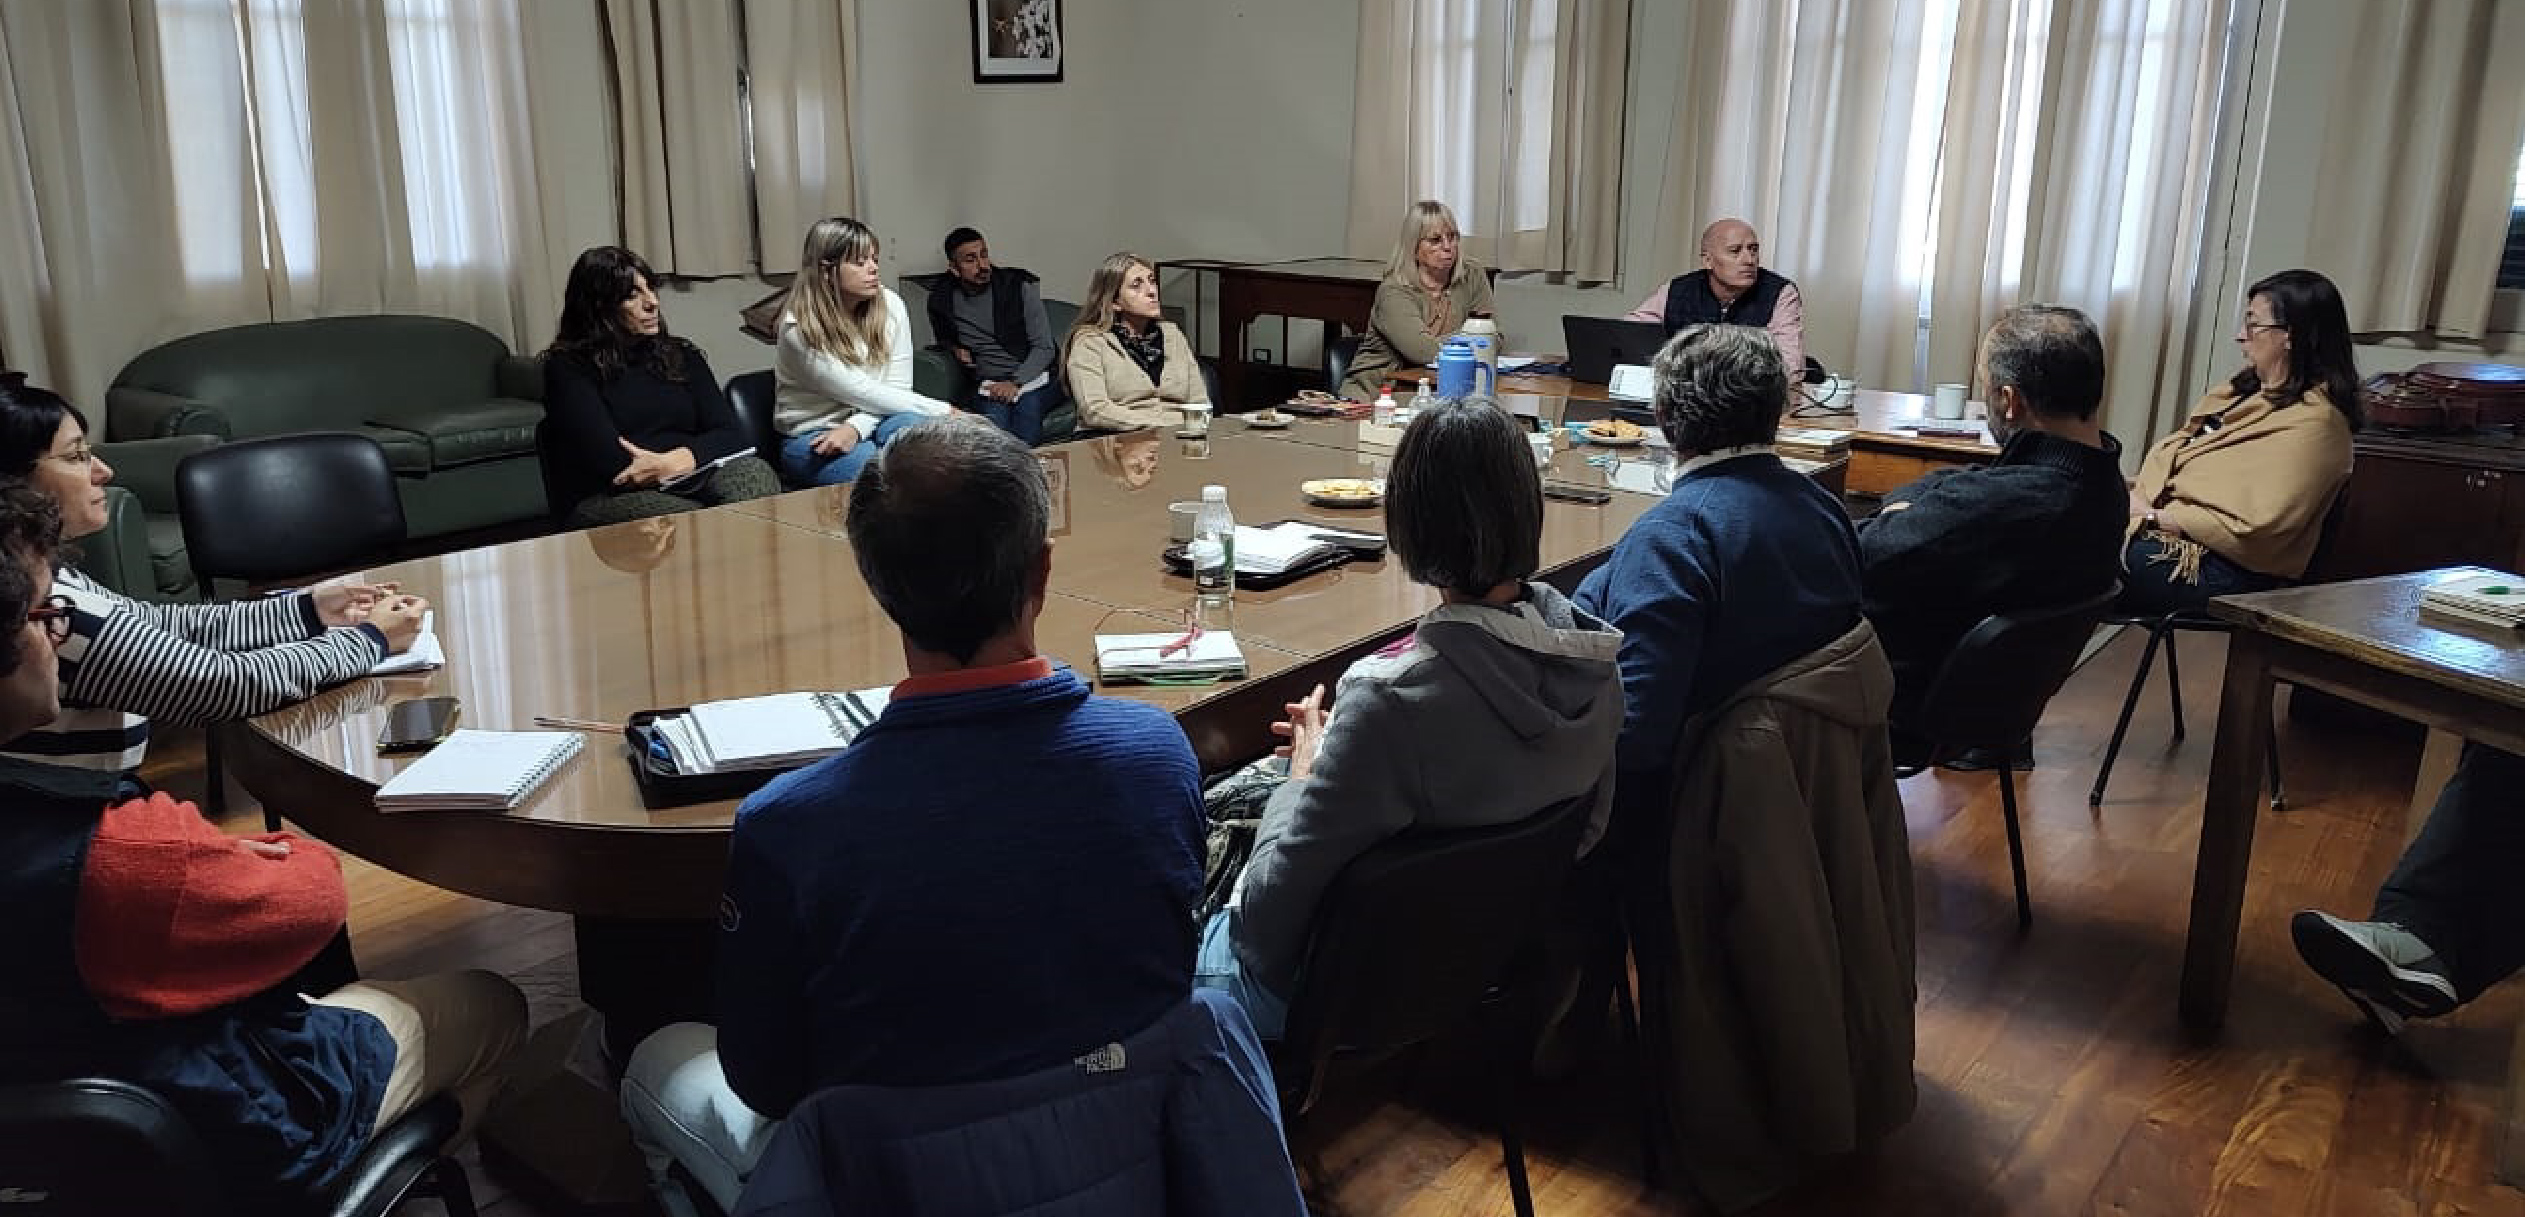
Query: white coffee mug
[1950, 401]
[1182, 516]
[1195, 418]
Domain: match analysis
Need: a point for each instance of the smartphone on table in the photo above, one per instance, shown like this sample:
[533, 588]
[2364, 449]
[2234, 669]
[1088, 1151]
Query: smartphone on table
[418, 723]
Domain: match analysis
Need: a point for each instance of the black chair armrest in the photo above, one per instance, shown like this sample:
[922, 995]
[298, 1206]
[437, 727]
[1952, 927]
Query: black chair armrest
[137, 413]
[520, 376]
[396, 1157]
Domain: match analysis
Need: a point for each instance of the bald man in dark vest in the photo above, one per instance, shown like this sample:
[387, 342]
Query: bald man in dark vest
[1731, 287]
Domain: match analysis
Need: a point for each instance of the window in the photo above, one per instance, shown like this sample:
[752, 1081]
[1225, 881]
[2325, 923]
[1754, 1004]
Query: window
[243, 145]
[2511, 262]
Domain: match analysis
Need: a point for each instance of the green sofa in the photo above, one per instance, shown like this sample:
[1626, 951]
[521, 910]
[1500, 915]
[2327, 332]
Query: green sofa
[455, 410]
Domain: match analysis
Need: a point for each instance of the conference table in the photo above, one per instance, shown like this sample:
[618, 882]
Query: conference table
[1886, 451]
[764, 596]
[2367, 641]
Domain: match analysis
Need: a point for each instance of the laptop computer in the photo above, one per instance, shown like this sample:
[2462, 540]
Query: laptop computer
[1596, 344]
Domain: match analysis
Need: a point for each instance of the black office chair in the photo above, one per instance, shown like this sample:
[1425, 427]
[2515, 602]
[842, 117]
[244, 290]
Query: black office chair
[2159, 629]
[754, 399]
[1991, 690]
[93, 1147]
[1415, 935]
[1338, 352]
[278, 509]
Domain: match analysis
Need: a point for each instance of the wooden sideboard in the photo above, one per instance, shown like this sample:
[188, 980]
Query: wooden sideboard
[2420, 502]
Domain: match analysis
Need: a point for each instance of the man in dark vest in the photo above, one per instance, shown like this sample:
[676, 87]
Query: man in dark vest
[1731, 288]
[991, 319]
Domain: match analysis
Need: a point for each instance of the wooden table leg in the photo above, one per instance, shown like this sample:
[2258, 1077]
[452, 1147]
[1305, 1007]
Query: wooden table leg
[2224, 839]
[1235, 308]
[2436, 764]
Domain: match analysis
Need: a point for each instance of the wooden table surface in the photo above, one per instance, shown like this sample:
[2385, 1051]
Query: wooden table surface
[765, 596]
[2365, 641]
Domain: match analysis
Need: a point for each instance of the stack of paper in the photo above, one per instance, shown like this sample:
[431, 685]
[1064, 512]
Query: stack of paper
[773, 731]
[1134, 656]
[1281, 547]
[479, 771]
[1813, 443]
[2484, 596]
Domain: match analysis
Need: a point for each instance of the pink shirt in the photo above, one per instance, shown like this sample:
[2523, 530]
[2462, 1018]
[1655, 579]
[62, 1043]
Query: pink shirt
[1784, 325]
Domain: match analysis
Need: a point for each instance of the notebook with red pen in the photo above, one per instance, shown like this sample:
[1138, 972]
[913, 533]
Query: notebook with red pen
[1187, 654]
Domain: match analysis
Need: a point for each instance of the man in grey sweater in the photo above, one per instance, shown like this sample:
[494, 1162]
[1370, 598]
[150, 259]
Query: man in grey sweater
[1504, 700]
[991, 320]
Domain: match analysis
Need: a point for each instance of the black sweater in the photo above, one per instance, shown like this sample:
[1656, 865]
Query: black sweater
[2041, 526]
[586, 418]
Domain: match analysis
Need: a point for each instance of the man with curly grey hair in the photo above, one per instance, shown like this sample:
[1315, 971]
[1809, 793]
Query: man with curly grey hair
[1743, 568]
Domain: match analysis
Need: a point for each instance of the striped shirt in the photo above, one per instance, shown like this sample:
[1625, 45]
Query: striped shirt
[129, 661]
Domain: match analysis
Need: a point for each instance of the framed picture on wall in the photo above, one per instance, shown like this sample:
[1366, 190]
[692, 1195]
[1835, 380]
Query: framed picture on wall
[1014, 40]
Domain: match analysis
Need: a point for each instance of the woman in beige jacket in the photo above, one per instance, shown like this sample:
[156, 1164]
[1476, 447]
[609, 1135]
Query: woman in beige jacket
[2235, 500]
[1128, 367]
[1427, 293]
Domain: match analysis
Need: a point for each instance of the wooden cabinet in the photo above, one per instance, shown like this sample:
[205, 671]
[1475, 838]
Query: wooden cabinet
[2421, 502]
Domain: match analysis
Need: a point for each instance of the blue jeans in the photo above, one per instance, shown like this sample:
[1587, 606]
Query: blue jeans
[2151, 588]
[1219, 969]
[804, 467]
[1022, 417]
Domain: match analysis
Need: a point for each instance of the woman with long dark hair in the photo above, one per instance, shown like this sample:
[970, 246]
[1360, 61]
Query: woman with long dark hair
[127, 663]
[637, 425]
[2235, 500]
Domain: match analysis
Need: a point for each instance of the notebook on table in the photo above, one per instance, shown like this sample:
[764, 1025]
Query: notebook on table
[476, 770]
[422, 655]
[773, 731]
[2484, 596]
[1212, 655]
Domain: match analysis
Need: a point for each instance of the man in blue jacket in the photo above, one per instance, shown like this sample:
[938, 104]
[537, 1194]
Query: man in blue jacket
[995, 878]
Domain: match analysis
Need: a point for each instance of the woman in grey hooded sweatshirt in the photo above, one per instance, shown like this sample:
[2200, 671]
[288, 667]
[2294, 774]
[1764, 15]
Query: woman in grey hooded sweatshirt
[1503, 701]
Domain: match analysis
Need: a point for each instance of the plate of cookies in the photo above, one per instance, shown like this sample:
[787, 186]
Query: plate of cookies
[1267, 418]
[1344, 492]
[1615, 433]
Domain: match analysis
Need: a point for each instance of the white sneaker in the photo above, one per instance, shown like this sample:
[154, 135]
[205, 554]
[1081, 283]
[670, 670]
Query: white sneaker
[2389, 972]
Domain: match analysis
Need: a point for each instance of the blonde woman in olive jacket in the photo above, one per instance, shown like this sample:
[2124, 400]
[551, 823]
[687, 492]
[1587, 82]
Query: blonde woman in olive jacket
[1428, 292]
[1128, 367]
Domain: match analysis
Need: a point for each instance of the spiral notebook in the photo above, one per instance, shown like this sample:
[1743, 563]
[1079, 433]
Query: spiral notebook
[479, 771]
[773, 731]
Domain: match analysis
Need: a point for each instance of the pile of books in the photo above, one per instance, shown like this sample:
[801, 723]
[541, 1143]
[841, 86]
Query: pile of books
[1813, 443]
[2485, 596]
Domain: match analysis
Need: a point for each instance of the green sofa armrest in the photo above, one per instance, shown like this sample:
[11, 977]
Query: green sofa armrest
[119, 554]
[136, 413]
[521, 376]
[147, 468]
[933, 373]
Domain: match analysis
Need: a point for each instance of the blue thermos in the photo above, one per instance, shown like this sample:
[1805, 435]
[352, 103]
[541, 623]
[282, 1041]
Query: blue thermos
[1456, 368]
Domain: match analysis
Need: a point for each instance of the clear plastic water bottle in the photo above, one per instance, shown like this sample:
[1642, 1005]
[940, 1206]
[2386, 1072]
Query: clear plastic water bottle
[1422, 398]
[1213, 548]
[1385, 412]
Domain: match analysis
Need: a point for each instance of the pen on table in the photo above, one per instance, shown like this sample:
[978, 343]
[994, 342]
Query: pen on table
[594, 726]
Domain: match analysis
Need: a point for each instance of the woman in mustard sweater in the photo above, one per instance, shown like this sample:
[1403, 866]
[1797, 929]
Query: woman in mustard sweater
[2235, 500]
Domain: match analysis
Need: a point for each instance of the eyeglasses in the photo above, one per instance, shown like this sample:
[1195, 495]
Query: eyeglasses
[55, 616]
[77, 458]
[2248, 324]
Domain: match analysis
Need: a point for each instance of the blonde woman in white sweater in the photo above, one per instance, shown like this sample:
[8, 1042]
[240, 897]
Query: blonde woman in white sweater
[843, 359]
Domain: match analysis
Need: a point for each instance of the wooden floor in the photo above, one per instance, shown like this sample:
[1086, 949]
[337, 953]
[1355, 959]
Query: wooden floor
[2054, 1078]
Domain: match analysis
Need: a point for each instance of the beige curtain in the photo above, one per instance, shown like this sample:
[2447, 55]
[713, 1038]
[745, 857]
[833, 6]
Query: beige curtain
[178, 165]
[802, 57]
[1923, 166]
[2410, 214]
[1509, 111]
[676, 72]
